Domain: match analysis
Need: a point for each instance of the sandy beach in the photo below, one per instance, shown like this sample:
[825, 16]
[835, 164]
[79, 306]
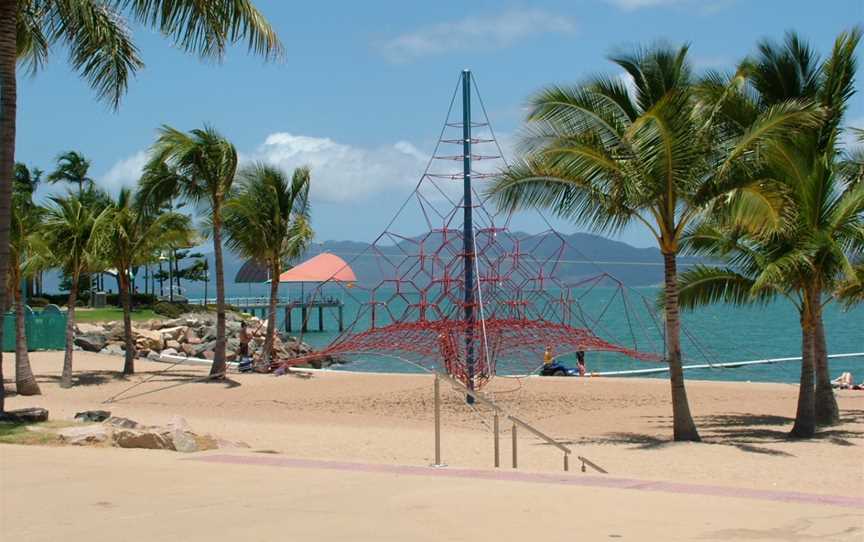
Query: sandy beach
[386, 420]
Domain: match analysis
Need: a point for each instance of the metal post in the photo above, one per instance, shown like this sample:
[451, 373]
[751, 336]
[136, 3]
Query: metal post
[566, 463]
[288, 317]
[305, 317]
[497, 447]
[437, 423]
[515, 462]
[341, 327]
[320, 318]
[468, 231]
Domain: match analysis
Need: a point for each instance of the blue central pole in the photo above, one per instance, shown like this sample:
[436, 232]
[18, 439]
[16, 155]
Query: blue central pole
[468, 231]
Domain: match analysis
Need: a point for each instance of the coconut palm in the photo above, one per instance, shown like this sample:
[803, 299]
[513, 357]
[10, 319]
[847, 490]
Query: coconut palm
[101, 49]
[268, 220]
[72, 167]
[198, 166]
[821, 199]
[126, 235]
[68, 230]
[25, 217]
[607, 156]
[26, 181]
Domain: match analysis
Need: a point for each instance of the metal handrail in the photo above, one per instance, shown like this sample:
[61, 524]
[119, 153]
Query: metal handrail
[543, 436]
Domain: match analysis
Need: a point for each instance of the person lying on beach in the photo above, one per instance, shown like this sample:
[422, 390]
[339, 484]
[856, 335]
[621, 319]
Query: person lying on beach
[844, 382]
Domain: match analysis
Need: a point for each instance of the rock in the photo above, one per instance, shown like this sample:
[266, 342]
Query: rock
[83, 328]
[154, 356]
[191, 335]
[208, 354]
[25, 415]
[232, 328]
[227, 444]
[148, 439]
[115, 331]
[91, 343]
[88, 434]
[149, 339]
[208, 333]
[178, 423]
[126, 423]
[204, 347]
[93, 416]
[175, 345]
[169, 352]
[143, 352]
[194, 340]
[172, 333]
[183, 441]
[188, 349]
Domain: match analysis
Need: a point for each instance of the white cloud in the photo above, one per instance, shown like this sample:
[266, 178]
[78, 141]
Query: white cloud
[124, 173]
[483, 33]
[341, 172]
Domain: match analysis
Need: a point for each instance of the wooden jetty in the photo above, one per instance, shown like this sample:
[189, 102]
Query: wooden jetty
[258, 306]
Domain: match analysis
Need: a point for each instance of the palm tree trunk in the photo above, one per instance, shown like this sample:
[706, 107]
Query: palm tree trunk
[8, 105]
[217, 370]
[271, 314]
[805, 416]
[683, 428]
[66, 378]
[827, 412]
[125, 298]
[25, 383]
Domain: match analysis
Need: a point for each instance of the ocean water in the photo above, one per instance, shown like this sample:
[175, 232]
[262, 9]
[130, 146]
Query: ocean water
[714, 334]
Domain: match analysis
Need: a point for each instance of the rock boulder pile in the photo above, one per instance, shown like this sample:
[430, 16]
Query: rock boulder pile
[189, 335]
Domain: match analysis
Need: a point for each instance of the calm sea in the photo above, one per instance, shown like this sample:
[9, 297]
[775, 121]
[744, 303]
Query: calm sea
[715, 334]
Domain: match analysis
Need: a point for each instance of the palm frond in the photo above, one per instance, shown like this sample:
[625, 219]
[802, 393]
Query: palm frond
[703, 285]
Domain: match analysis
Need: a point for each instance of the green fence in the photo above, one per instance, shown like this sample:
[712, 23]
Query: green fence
[46, 329]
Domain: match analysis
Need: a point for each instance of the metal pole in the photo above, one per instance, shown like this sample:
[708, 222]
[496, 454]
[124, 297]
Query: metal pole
[468, 231]
[497, 447]
[515, 462]
[437, 422]
[566, 463]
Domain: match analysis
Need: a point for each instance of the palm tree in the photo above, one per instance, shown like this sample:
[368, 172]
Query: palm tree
[27, 181]
[809, 167]
[69, 232]
[72, 167]
[102, 51]
[607, 156]
[126, 235]
[199, 167]
[25, 217]
[268, 220]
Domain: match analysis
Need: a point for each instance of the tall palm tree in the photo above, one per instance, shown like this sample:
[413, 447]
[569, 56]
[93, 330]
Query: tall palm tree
[607, 156]
[126, 236]
[72, 167]
[25, 217]
[268, 220]
[810, 169]
[27, 180]
[101, 49]
[68, 230]
[198, 166]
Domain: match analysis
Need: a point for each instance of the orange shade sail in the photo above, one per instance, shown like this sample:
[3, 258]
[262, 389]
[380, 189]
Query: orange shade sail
[322, 268]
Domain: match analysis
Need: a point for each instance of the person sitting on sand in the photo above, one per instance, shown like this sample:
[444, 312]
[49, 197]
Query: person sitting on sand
[547, 356]
[580, 362]
[844, 381]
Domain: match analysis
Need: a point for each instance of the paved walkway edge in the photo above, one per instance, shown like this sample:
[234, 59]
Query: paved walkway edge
[575, 479]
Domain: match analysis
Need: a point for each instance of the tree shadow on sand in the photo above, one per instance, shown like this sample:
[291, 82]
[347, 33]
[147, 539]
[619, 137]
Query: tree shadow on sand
[752, 433]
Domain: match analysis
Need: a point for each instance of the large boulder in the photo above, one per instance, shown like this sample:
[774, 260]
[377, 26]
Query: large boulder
[149, 439]
[191, 335]
[83, 328]
[93, 416]
[183, 441]
[83, 435]
[149, 339]
[208, 333]
[199, 349]
[91, 342]
[126, 423]
[25, 415]
[172, 344]
[173, 333]
[113, 349]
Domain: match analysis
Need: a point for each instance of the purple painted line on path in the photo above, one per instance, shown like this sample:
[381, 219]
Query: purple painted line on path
[543, 478]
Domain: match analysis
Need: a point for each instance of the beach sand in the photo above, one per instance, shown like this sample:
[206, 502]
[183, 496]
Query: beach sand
[372, 419]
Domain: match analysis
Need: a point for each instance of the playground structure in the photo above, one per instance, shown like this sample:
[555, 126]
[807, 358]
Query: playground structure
[466, 293]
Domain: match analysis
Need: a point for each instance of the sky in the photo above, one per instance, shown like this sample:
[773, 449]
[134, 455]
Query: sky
[362, 93]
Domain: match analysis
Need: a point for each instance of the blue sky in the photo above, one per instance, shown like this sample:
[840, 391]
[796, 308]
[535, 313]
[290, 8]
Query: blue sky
[363, 90]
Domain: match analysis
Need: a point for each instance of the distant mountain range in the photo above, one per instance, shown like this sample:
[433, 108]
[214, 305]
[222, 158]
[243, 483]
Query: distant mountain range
[584, 255]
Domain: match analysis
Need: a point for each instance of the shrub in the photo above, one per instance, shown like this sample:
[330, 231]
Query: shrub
[171, 310]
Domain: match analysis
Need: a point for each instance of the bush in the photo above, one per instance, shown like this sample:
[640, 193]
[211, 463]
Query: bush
[38, 302]
[171, 310]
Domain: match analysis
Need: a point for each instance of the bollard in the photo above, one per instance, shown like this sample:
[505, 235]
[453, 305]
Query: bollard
[437, 422]
[497, 451]
[515, 462]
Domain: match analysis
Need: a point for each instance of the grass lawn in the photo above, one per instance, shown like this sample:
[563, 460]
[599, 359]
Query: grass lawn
[109, 314]
[45, 433]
